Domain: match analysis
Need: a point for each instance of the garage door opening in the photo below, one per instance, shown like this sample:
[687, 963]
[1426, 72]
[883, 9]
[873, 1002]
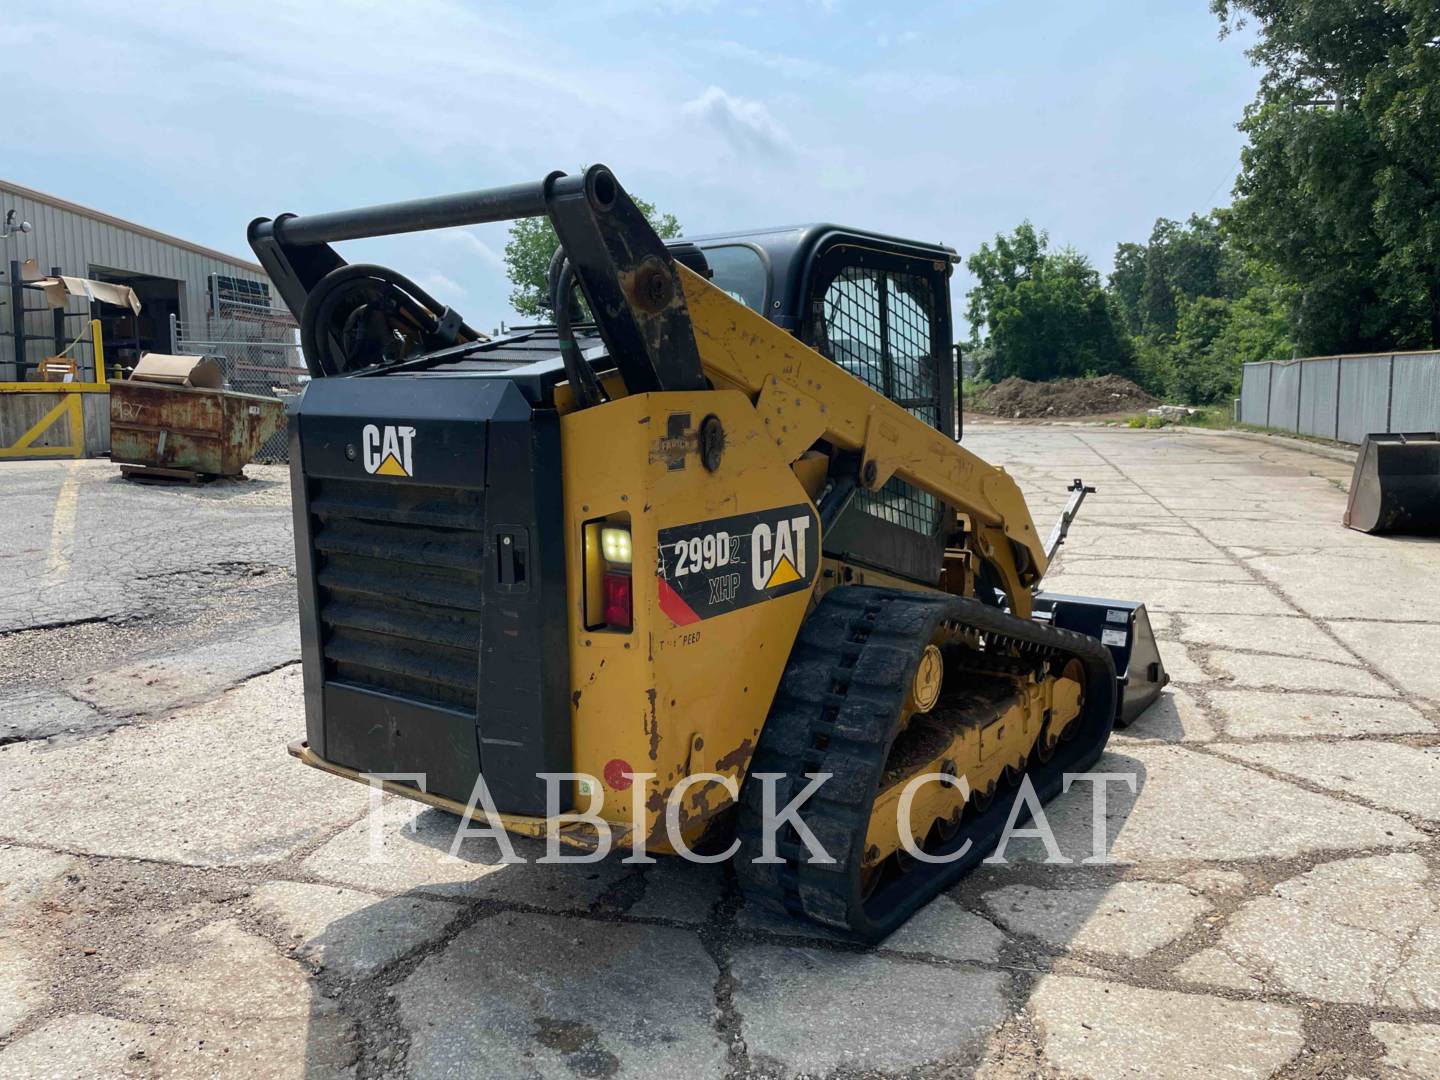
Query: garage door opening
[128, 336]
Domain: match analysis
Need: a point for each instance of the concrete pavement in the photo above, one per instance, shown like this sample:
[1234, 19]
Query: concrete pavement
[178, 898]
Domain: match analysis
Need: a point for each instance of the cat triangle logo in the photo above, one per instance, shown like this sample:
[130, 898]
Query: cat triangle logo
[388, 450]
[783, 574]
[391, 467]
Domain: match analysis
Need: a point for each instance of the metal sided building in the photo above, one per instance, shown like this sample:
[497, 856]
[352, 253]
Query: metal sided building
[179, 284]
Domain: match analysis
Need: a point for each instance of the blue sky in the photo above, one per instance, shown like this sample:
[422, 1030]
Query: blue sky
[945, 122]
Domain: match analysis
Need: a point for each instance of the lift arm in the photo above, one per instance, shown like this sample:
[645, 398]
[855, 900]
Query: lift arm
[802, 397]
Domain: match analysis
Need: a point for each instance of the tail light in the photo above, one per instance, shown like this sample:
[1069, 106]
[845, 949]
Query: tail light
[609, 586]
[618, 611]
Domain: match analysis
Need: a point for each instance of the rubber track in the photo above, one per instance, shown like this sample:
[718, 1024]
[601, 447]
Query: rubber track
[835, 712]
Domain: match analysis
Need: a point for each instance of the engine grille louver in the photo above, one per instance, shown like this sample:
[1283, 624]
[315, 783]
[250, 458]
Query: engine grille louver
[399, 573]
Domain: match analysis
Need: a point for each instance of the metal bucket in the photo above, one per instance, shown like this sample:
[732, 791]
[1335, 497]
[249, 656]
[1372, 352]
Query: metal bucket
[1396, 485]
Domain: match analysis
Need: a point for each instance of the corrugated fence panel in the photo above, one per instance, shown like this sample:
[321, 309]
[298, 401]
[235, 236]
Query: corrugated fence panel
[1254, 393]
[1285, 396]
[1318, 394]
[1364, 396]
[1416, 398]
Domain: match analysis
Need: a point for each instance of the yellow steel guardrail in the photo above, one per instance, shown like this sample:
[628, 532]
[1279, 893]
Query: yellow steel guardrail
[69, 407]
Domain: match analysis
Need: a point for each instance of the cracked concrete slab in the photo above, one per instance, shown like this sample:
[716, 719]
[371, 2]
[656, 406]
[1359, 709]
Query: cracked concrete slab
[1129, 919]
[1404, 651]
[540, 996]
[230, 1003]
[23, 988]
[1395, 576]
[26, 877]
[1412, 1051]
[941, 928]
[36, 713]
[1258, 714]
[83, 1045]
[1103, 1030]
[1180, 665]
[1188, 808]
[1358, 930]
[210, 785]
[349, 932]
[1293, 673]
[153, 686]
[1286, 635]
[1177, 596]
[414, 854]
[679, 891]
[801, 1010]
[1174, 717]
[1392, 775]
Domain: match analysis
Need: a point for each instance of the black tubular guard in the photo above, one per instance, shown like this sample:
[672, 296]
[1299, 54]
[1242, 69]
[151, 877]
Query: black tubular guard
[628, 278]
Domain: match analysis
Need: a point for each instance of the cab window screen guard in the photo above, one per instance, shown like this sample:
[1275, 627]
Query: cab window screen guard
[880, 325]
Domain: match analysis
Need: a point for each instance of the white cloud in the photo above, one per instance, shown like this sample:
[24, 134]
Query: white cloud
[439, 286]
[469, 241]
[747, 125]
[782, 63]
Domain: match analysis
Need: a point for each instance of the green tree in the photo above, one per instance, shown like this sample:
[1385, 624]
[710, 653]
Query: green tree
[1043, 314]
[1179, 295]
[532, 244]
[1339, 187]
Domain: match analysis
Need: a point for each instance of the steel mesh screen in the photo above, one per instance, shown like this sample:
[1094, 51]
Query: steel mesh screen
[878, 328]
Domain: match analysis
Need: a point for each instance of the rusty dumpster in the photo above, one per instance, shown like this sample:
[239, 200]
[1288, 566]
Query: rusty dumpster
[172, 418]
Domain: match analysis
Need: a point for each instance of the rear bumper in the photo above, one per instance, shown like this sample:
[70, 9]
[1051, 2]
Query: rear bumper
[571, 833]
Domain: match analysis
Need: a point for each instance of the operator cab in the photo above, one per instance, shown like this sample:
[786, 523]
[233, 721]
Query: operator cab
[879, 307]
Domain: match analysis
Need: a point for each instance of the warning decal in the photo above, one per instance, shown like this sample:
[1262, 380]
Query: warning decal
[711, 567]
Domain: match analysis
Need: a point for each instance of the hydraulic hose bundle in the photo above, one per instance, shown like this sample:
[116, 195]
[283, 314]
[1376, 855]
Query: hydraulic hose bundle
[363, 316]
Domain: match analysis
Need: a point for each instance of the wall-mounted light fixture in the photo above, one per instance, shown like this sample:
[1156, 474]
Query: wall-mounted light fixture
[12, 226]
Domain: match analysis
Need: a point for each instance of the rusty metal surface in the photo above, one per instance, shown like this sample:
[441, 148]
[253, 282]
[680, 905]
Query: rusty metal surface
[207, 431]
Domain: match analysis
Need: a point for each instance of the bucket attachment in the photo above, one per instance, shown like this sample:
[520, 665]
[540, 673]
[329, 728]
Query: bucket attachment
[1122, 626]
[1396, 486]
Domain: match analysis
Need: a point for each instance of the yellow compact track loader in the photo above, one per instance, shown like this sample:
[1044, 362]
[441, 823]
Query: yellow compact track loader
[705, 546]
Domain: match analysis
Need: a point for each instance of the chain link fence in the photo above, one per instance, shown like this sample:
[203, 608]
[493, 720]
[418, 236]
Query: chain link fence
[258, 348]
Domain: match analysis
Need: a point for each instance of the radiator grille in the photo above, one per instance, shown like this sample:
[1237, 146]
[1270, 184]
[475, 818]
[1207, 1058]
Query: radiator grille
[399, 573]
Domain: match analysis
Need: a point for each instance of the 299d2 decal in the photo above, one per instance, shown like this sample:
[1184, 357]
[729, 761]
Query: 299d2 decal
[712, 567]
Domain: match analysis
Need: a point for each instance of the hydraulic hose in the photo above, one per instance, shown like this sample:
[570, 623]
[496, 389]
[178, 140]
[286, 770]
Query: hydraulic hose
[414, 308]
[583, 382]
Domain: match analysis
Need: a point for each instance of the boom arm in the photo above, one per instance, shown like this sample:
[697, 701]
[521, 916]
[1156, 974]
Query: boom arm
[801, 397]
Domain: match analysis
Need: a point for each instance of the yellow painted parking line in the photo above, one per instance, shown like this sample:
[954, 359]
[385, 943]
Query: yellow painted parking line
[62, 525]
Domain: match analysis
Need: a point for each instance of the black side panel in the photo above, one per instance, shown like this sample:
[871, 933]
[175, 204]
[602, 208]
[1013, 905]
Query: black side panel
[430, 550]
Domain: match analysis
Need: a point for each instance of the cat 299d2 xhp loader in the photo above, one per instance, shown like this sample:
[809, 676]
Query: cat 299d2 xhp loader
[716, 520]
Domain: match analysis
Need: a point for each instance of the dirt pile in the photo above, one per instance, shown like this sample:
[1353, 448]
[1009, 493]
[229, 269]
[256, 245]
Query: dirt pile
[1019, 398]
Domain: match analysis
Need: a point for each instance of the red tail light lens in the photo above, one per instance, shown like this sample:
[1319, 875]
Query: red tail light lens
[618, 606]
